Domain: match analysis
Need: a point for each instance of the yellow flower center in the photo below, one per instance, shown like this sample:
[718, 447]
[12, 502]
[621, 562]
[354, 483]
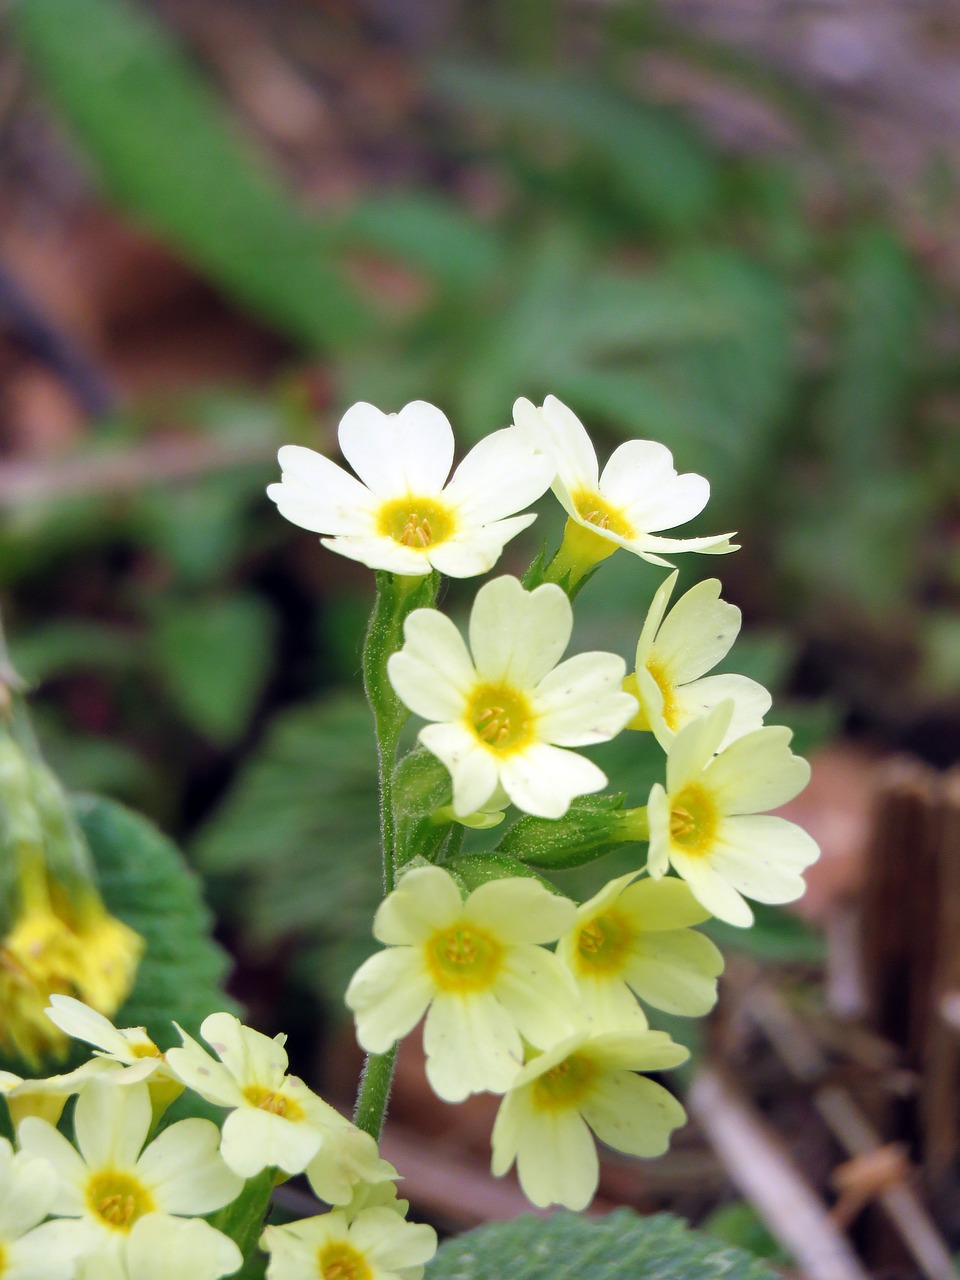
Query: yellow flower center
[604, 943]
[501, 717]
[148, 1050]
[278, 1104]
[417, 523]
[565, 1085]
[694, 819]
[671, 712]
[340, 1261]
[463, 958]
[3, 1260]
[118, 1199]
[596, 511]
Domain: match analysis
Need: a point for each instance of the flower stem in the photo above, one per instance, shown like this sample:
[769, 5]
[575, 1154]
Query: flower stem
[396, 598]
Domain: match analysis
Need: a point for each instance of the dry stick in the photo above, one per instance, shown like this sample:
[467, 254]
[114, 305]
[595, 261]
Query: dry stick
[765, 1174]
[124, 471]
[804, 1059]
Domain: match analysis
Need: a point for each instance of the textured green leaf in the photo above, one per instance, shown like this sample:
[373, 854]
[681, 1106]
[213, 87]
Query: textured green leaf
[214, 658]
[146, 883]
[620, 1246]
[164, 148]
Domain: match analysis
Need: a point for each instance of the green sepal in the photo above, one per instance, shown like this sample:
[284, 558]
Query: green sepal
[421, 786]
[471, 870]
[397, 596]
[534, 576]
[591, 827]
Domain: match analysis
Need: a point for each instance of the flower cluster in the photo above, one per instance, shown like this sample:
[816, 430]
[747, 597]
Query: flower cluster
[524, 993]
[58, 936]
[126, 1198]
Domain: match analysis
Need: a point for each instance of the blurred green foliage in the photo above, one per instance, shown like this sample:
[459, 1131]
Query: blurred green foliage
[658, 284]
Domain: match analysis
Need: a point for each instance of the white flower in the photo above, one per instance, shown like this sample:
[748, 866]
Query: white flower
[405, 517]
[505, 715]
[478, 968]
[129, 1051]
[275, 1120]
[112, 1180]
[634, 939]
[709, 822]
[27, 1191]
[46, 1097]
[348, 1159]
[585, 1083]
[638, 493]
[675, 652]
[163, 1248]
[376, 1245]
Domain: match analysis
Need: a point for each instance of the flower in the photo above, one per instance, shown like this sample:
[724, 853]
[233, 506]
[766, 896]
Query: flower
[476, 966]
[504, 716]
[162, 1248]
[46, 1097]
[29, 1251]
[404, 517]
[114, 1180]
[275, 1120]
[673, 654]
[638, 493]
[348, 1160]
[585, 1083]
[634, 939]
[709, 822]
[128, 1051]
[376, 1245]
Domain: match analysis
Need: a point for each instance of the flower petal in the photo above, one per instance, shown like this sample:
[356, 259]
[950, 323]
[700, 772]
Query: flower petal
[641, 479]
[557, 1160]
[538, 993]
[471, 1046]
[398, 453]
[693, 747]
[543, 780]
[389, 994]
[473, 769]
[184, 1170]
[751, 702]
[675, 971]
[519, 910]
[426, 899]
[381, 553]
[581, 701]
[762, 856]
[633, 1114]
[318, 495]
[517, 636]
[111, 1123]
[712, 889]
[697, 632]
[476, 549]
[557, 432]
[159, 1247]
[499, 476]
[390, 1242]
[658, 607]
[432, 674]
[41, 1141]
[249, 1055]
[253, 1140]
[26, 1192]
[757, 772]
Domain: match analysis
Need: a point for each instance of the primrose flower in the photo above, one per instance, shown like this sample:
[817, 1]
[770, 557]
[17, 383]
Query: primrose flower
[634, 939]
[375, 1245]
[275, 1120]
[162, 1248]
[348, 1159]
[709, 822]
[504, 716]
[639, 492]
[113, 1180]
[585, 1083]
[128, 1051]
[673, 655]
[47, 1096]
[476, 966]
[404, 517]
[27, 1191]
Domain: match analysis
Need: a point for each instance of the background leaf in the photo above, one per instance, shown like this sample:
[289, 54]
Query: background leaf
[619, 1246]
[146, 883]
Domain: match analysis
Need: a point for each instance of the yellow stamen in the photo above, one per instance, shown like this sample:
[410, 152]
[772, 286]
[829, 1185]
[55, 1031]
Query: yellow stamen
[340, 1261]
[118, 1199]
[603, 944]
[565, 1085]
[278, 1104]
[414, 522]
[694, 819]
[463, 958]
[501, 717]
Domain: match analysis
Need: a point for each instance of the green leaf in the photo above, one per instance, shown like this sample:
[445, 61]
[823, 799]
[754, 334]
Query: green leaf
[619, 1246]
[293, 850]
[146, 883]
[215, 658]
[650, 159]
[165, 149]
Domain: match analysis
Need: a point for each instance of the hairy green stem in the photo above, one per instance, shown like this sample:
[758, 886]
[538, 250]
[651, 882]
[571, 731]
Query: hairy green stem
[374, 1094]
